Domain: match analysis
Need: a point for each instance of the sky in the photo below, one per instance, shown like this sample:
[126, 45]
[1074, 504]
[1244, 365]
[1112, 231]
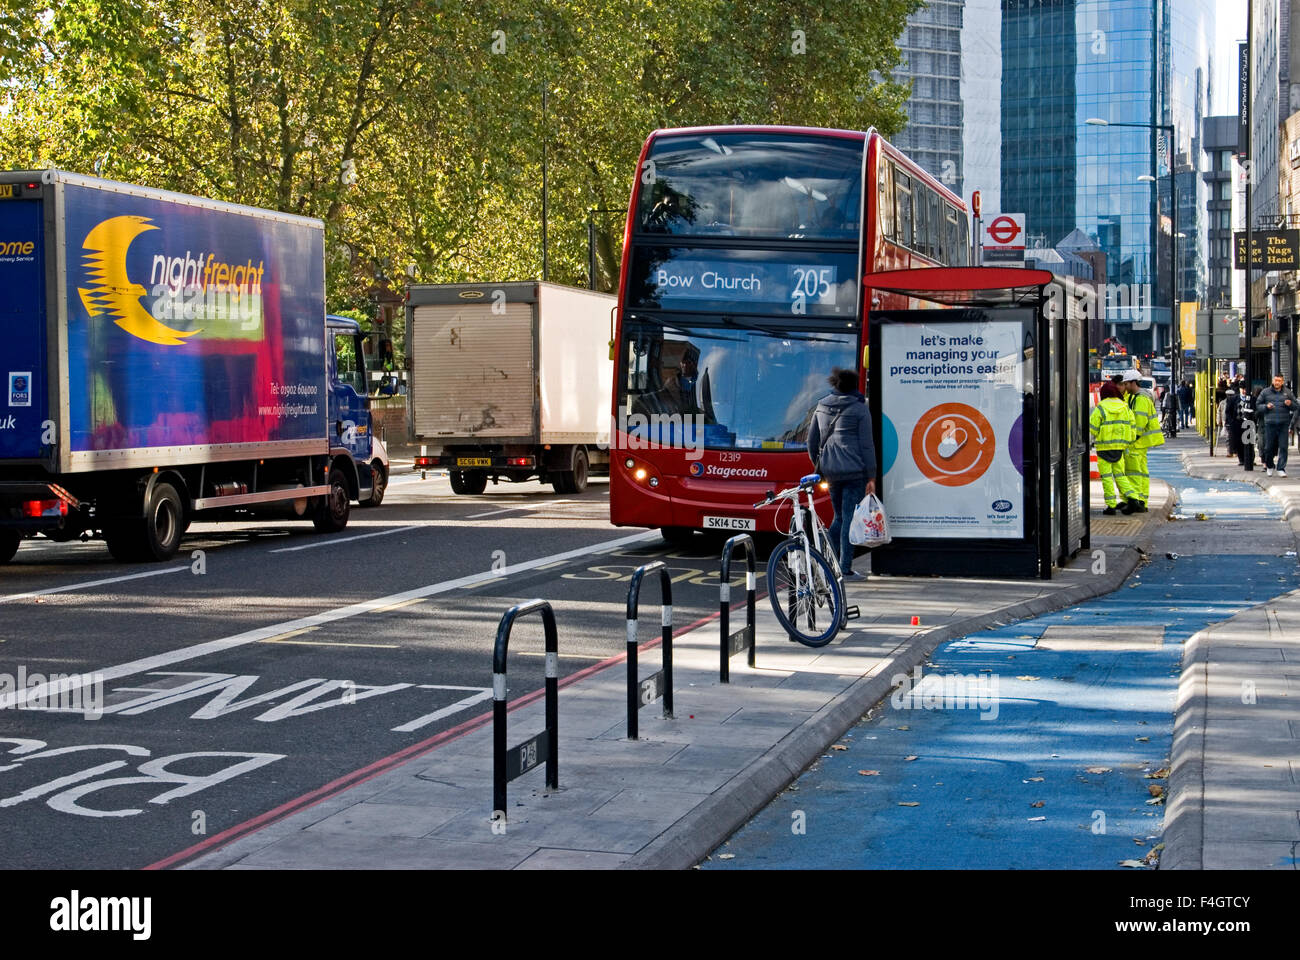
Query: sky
[1230, 22]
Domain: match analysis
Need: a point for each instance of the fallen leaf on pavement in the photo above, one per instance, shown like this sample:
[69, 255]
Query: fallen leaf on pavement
[1097, 770]
[912, 757]
[1154, 801]
[1160, 774]
[1033, 780]
[868, 773]
[1142, 739]
[1037, 803]
[838, 746]
[726, 856]
[902, 728]
[908, 803]
[1132, 863]
[1036, 819]
[1026, 678]
[1155, 789]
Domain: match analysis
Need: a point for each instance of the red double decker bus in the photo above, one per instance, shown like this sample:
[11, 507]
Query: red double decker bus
[742, 287]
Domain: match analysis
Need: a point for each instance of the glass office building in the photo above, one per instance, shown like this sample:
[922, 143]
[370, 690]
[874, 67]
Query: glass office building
[1126, 62]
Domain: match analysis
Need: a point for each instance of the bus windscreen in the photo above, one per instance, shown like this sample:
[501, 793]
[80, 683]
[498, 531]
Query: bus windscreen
[729, 387]
[754, 185]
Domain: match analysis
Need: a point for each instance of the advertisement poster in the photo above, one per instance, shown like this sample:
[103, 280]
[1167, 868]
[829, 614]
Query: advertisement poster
[190, 326]
[952, 410]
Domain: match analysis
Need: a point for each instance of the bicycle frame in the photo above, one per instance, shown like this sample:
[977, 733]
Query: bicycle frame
[820, 541]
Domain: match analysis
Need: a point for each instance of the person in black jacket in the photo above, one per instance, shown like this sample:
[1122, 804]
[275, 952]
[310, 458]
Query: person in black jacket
[1233, 423]
[843, 450]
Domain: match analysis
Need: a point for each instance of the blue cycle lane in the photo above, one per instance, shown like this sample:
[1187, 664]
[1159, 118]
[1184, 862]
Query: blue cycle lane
[1030, 746]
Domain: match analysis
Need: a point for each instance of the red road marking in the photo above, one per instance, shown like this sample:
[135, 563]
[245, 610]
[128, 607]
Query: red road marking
[372, 770]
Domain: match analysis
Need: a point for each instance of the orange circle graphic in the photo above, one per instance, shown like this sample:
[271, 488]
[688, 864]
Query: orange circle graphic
[953, 444]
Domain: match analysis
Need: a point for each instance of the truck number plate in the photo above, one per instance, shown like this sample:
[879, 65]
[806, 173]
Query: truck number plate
[473, 461]
[728, 523]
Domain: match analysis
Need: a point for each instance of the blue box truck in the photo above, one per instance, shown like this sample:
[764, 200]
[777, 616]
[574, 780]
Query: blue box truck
[167, 358]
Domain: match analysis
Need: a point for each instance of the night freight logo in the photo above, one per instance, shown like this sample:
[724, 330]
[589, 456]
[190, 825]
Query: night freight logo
[185, 288]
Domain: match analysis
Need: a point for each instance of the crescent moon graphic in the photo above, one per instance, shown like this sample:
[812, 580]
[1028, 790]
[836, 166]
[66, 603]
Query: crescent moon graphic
[112, 291]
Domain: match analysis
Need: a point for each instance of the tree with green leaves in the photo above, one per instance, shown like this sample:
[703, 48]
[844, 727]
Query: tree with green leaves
[415, 128]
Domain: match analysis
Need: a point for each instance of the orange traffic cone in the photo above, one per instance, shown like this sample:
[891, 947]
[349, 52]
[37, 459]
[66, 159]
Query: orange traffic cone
[1093, 472]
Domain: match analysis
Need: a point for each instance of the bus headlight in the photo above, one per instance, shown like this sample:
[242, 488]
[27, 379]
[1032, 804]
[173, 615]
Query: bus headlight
[640, 474]
[629, 463]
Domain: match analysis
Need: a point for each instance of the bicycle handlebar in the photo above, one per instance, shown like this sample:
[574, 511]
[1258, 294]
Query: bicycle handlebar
[794, 491]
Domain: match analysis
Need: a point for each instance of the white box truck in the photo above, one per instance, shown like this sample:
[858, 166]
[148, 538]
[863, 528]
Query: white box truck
[510, 381]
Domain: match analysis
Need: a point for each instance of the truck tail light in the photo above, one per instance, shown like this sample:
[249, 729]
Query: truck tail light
[519, 461]
[427, 461]
[44, 508]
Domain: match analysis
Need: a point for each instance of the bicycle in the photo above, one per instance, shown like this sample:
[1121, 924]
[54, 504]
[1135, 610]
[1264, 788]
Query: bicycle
[803, 573]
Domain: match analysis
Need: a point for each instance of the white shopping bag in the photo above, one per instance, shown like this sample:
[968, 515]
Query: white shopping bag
[870, 525]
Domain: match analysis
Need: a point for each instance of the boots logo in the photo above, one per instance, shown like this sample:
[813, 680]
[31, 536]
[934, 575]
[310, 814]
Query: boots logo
[184, 288]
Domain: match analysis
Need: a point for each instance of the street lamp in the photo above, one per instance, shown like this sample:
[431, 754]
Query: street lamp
[1175, 327]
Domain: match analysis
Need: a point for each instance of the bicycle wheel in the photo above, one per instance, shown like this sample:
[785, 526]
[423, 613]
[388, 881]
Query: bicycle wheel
[809, 611]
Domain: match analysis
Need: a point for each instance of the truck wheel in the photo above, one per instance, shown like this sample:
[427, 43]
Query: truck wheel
[331, 514]
[164, 519]
[156, 536]
[468, 483]
[575, 480]
[378, 485]
[9, 540]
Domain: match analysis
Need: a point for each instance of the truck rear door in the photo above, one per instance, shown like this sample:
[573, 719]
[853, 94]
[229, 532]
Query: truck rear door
[24, 405]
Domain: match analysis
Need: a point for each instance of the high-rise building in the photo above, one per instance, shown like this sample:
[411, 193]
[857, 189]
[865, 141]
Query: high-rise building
[932, 64]
[1219, 142]
[1138, 65]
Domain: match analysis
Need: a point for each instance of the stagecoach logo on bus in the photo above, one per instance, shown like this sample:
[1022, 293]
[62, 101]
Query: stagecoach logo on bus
[55, 692]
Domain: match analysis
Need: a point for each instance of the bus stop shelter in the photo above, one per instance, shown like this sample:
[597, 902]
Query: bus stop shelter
[979, 394]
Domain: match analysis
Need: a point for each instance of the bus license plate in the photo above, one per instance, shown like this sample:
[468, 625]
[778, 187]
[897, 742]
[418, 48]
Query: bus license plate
[474, 461]
[729, 523]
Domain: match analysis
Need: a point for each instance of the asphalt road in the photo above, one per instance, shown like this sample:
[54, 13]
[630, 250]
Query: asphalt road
[267, 666]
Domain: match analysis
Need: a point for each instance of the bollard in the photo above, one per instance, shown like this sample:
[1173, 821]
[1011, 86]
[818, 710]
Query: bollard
[507, 764]
[732, 644]
[660, 683]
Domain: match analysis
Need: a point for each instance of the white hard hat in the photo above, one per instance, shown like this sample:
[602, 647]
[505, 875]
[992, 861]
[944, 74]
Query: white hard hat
[1131, 375]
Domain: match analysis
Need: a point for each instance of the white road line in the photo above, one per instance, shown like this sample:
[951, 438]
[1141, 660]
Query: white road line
[91, 583]
[330, 543]
[26, 695]
[495, 513]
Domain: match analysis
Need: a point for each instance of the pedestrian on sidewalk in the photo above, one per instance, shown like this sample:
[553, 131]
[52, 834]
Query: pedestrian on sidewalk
[843, 451]
[1112, 429]
[1186, 400]
[1147, 423]
[1232, 422]
[1248, 426]
[1278, 409]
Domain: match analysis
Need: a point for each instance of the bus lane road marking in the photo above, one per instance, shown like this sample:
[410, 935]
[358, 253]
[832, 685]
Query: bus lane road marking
[92, 583]
[41, 692]
[335, 541]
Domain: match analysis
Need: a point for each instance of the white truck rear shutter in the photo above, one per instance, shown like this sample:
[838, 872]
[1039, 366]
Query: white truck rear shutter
[473, 372]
